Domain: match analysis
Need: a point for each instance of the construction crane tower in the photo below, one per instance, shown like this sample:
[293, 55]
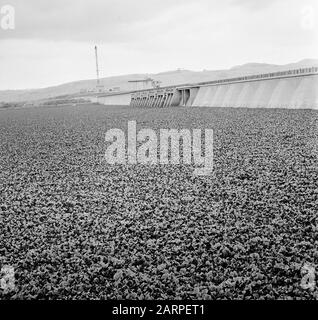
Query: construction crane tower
[99, 87]
[97, 71]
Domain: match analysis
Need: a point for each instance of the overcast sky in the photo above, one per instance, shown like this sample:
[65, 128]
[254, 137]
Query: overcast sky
[53, 41]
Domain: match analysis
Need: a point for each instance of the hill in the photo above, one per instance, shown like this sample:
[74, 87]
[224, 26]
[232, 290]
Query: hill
[173, 77]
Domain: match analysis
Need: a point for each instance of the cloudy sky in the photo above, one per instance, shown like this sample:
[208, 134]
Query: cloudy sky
[53, 41]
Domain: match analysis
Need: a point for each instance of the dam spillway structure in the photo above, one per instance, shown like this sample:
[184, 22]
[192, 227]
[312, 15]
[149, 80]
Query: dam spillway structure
[292, 89]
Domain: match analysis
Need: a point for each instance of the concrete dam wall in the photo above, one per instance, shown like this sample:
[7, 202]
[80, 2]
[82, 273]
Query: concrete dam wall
[292, 92]
[287, 89]
[116, 100]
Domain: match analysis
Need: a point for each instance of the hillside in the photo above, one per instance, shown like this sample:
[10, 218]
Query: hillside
[166, 78]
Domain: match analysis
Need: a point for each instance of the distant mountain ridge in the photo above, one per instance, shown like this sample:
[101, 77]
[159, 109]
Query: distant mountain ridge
[174, 77]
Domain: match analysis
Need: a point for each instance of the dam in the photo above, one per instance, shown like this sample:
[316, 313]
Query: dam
[293, 89]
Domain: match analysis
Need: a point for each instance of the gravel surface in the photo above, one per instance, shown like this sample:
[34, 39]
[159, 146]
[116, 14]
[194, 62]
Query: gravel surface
[74, 227]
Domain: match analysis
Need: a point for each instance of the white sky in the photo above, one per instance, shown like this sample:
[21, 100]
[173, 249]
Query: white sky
[53, 41]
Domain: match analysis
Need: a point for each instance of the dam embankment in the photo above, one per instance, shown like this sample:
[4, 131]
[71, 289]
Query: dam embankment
[294, 89]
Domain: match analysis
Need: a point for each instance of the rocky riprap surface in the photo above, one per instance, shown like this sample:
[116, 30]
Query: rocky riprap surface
[75, 227]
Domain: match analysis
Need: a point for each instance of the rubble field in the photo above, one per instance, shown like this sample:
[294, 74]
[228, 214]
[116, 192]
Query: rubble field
[74, 227]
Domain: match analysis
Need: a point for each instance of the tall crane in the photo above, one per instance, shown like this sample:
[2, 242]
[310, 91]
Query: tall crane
[97, 70]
